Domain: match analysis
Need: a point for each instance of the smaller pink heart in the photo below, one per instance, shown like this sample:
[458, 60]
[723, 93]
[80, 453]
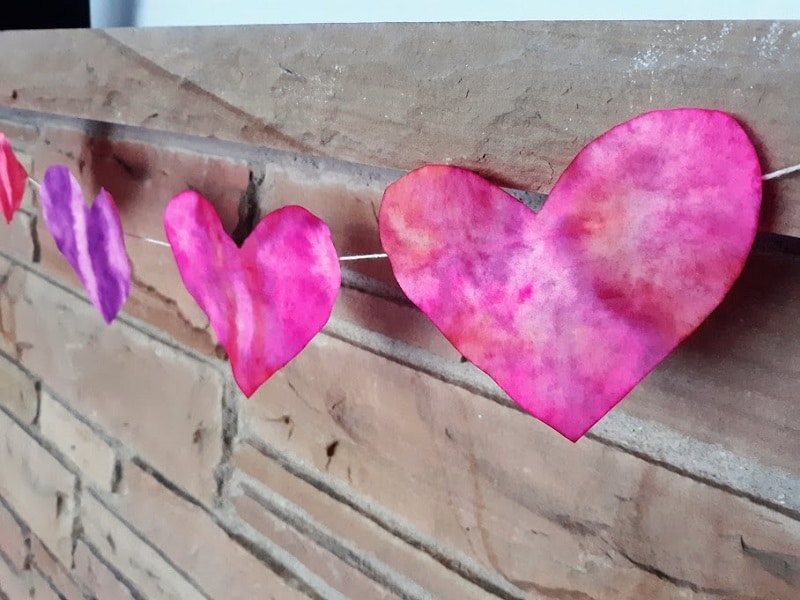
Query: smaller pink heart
[265, 300]
[12, 179]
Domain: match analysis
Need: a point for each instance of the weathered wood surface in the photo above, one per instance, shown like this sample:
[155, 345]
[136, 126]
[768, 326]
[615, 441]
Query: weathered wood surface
[512, 101]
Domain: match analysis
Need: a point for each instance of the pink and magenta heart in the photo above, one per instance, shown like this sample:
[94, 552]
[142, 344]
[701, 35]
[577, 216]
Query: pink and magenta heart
[568, 309]
[265, 300]
[13, 179]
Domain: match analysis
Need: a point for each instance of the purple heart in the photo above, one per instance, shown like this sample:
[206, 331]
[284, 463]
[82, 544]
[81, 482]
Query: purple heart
[89, 238]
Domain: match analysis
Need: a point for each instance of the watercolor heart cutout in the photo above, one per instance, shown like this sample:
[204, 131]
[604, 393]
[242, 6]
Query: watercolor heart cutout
[13, 179]
[91, 239]
[265, 300]
[568, 309]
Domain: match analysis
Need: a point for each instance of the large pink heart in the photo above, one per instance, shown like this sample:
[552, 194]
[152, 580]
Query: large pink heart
[265, 300]
[567, 310]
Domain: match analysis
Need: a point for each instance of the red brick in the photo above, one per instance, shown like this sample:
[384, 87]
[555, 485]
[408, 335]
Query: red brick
[18, 393]
[40, 588]
[17, 237]
[54, 571]
[347, 524]
[145, 393]
[74, 439]
[493, 484]
[191, 539]
[142, 179]
[338, 574]
[8, 296]
[38, 488]
[14, 584]
[21, 137]
[13, 539]
[135, 559]
[97, 577]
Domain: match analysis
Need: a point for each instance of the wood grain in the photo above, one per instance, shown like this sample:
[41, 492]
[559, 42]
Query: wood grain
[513, 101]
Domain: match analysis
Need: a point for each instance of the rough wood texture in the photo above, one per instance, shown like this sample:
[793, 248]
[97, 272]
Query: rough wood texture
[512, 101]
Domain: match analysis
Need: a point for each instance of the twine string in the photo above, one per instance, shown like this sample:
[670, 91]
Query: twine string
[379, 255]
[781, 173]
[146, 239]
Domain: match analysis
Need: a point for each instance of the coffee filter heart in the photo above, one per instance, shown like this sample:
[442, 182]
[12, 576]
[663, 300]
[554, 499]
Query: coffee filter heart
[90, 238]
[13, 178]
[265, 300]
[568, 309]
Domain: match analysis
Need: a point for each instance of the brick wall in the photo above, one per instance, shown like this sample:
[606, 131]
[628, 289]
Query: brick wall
[377, 464]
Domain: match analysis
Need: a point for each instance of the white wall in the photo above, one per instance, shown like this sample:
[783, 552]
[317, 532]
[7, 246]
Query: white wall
[113, 13]
[148, 13]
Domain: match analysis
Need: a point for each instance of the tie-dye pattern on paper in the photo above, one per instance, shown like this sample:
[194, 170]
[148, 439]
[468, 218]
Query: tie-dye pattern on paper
[265, 300]
[567, 310]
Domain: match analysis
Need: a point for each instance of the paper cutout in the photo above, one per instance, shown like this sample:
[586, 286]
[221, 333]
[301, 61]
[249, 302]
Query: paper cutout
[265, 300]
[89, 238]
[567, 310]
[13, 177]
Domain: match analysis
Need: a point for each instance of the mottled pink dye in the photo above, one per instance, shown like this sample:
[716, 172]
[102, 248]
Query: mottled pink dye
[265, 300]
[13, 178]
[567, 310]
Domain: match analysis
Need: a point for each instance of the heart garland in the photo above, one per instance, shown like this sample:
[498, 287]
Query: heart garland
[567, 310]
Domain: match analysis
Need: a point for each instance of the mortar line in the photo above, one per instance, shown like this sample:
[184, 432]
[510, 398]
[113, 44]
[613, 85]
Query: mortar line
[115, 444]
[204, 146]
[736, 492]
[138, 534]
[43, 442]
[47, 578]
[121, 577]
[280, 560]
[229, 432]
[273, 557]
[151, 471]
[460, 564]
[9, 563]
[364, 562]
